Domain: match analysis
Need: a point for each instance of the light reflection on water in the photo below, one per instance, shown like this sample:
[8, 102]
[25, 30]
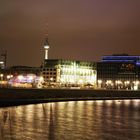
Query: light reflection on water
[75, 120]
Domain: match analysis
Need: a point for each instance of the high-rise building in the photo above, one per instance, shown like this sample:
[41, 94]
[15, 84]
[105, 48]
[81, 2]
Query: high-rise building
[3, 60]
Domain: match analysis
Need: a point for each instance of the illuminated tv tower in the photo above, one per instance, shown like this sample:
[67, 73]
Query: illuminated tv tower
[46, 44]
[46, 47]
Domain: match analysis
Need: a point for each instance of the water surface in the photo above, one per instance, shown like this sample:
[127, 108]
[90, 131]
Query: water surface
[75, 120]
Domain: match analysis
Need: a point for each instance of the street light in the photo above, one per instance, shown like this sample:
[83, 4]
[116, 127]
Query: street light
[109, 84]
[1, 75]
[118, 84]
[136, 84]
[8, 76]
[127, 84]
[99, 83]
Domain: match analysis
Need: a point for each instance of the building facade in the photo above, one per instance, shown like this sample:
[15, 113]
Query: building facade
[67, 72]
[24, 70]
[119, 72]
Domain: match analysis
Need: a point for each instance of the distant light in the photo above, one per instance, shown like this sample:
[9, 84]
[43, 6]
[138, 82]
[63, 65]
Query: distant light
[41, 79]
[1, 62]
[46, 47]
[8, 76]
[1, 75]
[108, 82]
[100, 81]
[80, 81]
[71, 80]
[20, 77]
[118, 82]
[127, 82]
[51, 78]
[136, 82]
[31, 78]
[135, 87]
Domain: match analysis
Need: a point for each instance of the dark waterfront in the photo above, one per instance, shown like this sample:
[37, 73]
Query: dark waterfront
[75, 120]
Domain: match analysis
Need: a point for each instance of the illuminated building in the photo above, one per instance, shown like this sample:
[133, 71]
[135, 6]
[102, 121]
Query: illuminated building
[69, 72]
[119, 71]
[13, 71]
[27, 81]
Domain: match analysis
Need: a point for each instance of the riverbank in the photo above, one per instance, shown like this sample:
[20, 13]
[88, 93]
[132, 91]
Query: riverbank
[17, 96]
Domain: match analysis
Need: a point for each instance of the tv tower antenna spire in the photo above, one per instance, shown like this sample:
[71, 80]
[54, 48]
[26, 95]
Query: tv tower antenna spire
[46, 44]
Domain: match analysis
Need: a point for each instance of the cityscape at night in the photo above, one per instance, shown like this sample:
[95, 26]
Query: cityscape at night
[119, 71]
[70, 70]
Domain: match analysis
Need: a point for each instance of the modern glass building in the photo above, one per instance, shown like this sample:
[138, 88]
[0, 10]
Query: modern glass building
[69, 72]
[119, 71]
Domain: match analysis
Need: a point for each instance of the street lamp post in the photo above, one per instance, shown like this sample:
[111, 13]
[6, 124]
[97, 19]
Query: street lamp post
[100, 83]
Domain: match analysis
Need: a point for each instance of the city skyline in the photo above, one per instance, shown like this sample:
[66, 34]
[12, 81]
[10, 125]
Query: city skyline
[77, 30]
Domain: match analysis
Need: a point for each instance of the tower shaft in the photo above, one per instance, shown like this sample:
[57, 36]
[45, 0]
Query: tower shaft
[46, 54]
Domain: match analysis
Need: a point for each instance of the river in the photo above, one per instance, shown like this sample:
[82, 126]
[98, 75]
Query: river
[72, 120]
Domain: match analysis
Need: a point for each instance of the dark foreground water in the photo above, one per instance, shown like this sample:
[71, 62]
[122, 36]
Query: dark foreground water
[77, 120]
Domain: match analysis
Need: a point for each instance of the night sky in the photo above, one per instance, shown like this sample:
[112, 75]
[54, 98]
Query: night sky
[78, 29]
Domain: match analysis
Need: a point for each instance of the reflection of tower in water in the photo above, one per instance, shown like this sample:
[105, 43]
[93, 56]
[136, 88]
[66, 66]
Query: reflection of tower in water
[51, 123]
[48, 113]
[5, 121]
